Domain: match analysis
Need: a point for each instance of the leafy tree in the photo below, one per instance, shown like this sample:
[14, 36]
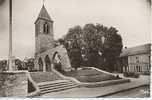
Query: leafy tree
[112, 47]
[74, 32]
[18, 64]
[75, 54]
[90, 38]
[73, 45]
[101, 45]
[3, 65]
[102, 53]
[30, 64]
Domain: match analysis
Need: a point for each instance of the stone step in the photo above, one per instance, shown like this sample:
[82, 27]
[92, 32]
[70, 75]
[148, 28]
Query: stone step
[52, 82]
[57, 86]
[54, 86]
[58, 89]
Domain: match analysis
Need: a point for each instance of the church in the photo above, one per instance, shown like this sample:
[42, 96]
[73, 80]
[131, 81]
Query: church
[46, 51]
[53, 67]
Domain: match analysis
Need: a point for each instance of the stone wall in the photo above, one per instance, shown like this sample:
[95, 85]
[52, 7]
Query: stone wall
[13, 84]
[43, 43]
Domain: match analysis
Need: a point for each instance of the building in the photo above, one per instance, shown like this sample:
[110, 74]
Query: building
[135, 59]
[43, 32]
[46, 50]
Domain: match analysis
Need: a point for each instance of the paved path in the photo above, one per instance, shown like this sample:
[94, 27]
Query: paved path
[140, 92]
[100, 91]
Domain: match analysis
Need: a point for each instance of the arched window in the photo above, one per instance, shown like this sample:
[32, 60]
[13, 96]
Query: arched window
[46, 28]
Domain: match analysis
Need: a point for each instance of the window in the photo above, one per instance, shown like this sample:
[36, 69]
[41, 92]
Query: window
[137, 59]
[46, 28]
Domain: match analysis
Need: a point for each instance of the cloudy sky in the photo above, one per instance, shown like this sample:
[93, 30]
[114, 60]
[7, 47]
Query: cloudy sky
[130, 17]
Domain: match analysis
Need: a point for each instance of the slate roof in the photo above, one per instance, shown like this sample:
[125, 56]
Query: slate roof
[44, 14]
[142, 49]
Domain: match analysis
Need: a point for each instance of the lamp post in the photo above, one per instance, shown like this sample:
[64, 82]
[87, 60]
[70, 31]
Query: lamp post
[10, 37]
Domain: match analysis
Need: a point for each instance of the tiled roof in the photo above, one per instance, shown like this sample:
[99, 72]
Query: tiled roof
[136, 50]
[44, 14]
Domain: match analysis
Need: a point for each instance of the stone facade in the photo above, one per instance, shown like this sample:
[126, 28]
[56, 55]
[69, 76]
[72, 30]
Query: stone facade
[13, 84]
[43, 43]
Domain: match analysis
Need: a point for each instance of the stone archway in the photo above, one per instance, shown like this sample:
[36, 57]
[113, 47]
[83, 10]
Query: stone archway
[40, 63]
[47, 63]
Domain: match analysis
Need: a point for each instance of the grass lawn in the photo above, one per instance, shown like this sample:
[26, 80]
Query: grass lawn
[90, 75]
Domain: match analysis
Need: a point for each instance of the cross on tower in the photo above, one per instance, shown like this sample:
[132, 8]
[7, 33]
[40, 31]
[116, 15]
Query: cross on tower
[43, 2]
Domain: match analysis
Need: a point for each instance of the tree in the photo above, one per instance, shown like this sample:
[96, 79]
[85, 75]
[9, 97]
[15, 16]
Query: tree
[101, 53]
[75, 55]
[73, 45]
[18, 64]
[90, 38]
[74, 32]
[3, 65]
[28, 64]
[112, 47]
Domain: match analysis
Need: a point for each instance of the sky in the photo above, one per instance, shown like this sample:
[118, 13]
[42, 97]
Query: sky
[130, 17]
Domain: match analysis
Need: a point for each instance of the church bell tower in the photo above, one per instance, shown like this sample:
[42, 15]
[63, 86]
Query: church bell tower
[43, 32]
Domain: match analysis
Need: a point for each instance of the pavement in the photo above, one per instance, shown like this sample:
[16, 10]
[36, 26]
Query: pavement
[84, 92]
[140, 92]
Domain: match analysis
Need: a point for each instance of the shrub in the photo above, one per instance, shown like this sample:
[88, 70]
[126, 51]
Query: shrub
[131, 74]
[146, 73]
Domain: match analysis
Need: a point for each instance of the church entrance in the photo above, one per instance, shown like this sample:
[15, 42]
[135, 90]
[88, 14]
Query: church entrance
[47, 63]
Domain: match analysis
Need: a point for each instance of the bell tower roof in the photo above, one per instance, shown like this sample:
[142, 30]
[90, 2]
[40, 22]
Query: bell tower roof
[44, 14]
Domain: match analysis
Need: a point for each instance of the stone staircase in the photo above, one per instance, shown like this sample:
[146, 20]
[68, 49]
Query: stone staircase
[54, 86]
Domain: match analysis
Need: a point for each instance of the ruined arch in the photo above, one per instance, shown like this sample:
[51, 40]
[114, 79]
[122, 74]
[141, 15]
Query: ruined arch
[40, 63]
[47, 63]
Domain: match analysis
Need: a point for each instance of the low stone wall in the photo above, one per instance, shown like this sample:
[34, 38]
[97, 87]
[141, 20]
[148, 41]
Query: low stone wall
[94, 84]
[39, 77]
[104, 83]
[13, 84]
[33, 89]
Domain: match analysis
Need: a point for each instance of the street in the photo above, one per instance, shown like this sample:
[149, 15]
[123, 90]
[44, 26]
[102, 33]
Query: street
[140, 92]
